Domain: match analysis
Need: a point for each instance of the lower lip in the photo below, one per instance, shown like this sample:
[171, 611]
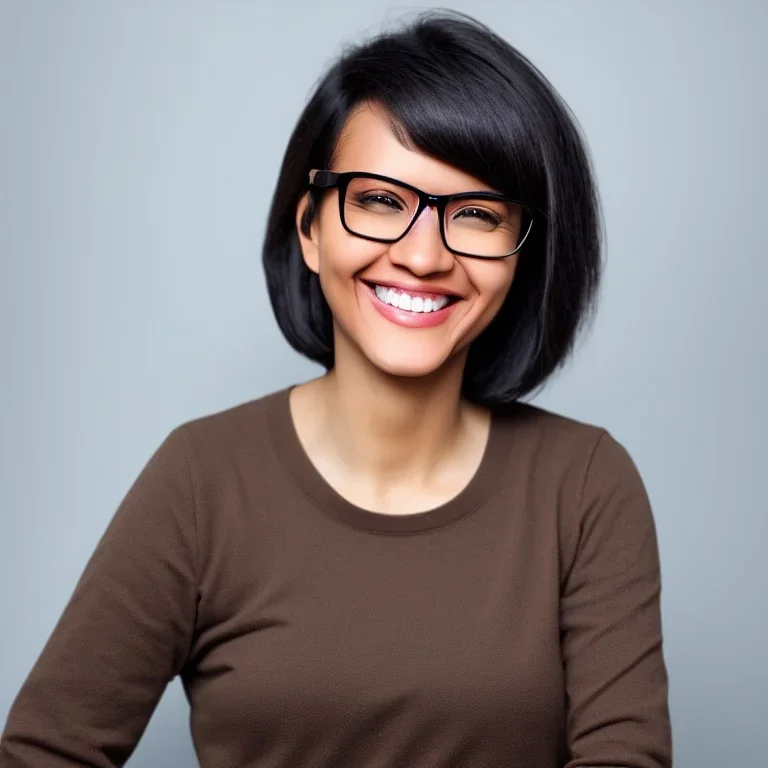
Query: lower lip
[410, 319]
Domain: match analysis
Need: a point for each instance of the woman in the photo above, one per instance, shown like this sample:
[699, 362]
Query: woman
[398, 563]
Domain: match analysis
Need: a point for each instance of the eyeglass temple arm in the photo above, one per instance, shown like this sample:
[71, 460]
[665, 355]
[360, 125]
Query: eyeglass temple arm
[322, 178]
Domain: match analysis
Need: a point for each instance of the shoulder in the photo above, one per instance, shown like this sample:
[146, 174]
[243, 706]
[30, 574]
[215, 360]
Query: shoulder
[242, 422]
[552, 437]
[539, 428]
[581, 478]
[239, 432]
[585, 461]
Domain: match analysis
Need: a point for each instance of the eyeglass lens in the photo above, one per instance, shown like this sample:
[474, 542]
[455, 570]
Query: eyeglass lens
[481, 227]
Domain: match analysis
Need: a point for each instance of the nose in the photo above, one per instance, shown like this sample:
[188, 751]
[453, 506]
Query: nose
[422, 250]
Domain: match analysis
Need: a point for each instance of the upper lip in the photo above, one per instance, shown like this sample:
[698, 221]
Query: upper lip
[431, 288]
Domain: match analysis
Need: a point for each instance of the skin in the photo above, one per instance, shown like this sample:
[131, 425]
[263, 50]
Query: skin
[387, 427]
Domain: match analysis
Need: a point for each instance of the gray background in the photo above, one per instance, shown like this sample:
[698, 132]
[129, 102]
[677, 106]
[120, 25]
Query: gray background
[139, 144]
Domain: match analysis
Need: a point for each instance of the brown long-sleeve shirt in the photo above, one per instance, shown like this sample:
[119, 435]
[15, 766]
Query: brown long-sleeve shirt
[517, 625]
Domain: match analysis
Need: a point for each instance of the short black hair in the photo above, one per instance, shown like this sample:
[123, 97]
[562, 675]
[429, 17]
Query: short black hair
[458, 92]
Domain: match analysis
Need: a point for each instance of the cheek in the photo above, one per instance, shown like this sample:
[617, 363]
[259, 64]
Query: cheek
[341, 255]
[492, 282]
[341, 259]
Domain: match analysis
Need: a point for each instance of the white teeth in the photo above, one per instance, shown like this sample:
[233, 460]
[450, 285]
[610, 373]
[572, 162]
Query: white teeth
[407, 302]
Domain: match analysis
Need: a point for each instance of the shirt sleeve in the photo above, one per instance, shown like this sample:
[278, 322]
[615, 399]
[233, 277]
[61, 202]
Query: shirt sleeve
[124, 634]
[611, 634]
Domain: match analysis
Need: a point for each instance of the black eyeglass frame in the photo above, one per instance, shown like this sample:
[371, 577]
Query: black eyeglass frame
[324, 179]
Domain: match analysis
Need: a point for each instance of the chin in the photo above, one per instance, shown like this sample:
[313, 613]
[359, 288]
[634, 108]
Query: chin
[408, 365]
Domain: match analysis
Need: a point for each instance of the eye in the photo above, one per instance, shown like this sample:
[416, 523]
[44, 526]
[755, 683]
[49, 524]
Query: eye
[379, 200]
[480, 214]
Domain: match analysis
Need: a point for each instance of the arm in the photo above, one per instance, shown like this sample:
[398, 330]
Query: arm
[125, 633]
[616, 679]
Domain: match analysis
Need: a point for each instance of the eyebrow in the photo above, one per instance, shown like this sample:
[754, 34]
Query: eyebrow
[367, 171]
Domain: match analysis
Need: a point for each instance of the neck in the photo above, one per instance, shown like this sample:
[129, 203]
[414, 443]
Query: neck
[389, 427]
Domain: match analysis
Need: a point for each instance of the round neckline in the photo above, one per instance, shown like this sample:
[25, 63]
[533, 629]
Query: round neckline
[298, 465]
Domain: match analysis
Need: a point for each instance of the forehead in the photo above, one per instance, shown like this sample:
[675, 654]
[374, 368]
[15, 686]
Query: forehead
[367, 142]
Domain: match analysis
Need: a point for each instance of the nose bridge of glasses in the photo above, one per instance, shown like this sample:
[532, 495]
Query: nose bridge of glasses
[433, 201]
[425, 204]
[423, 239]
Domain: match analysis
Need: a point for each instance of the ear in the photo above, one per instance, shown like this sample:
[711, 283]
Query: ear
[307, 233]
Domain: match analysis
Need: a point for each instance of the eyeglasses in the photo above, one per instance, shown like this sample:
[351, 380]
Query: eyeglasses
[483, 225]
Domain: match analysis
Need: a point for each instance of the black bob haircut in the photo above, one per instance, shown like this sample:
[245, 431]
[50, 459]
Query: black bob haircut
[458, 92]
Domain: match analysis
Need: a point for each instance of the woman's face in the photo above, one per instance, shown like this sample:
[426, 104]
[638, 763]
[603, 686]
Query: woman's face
[375, 321]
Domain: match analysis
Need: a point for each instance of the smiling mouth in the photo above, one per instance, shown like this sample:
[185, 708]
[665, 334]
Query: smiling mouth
[411, 301]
